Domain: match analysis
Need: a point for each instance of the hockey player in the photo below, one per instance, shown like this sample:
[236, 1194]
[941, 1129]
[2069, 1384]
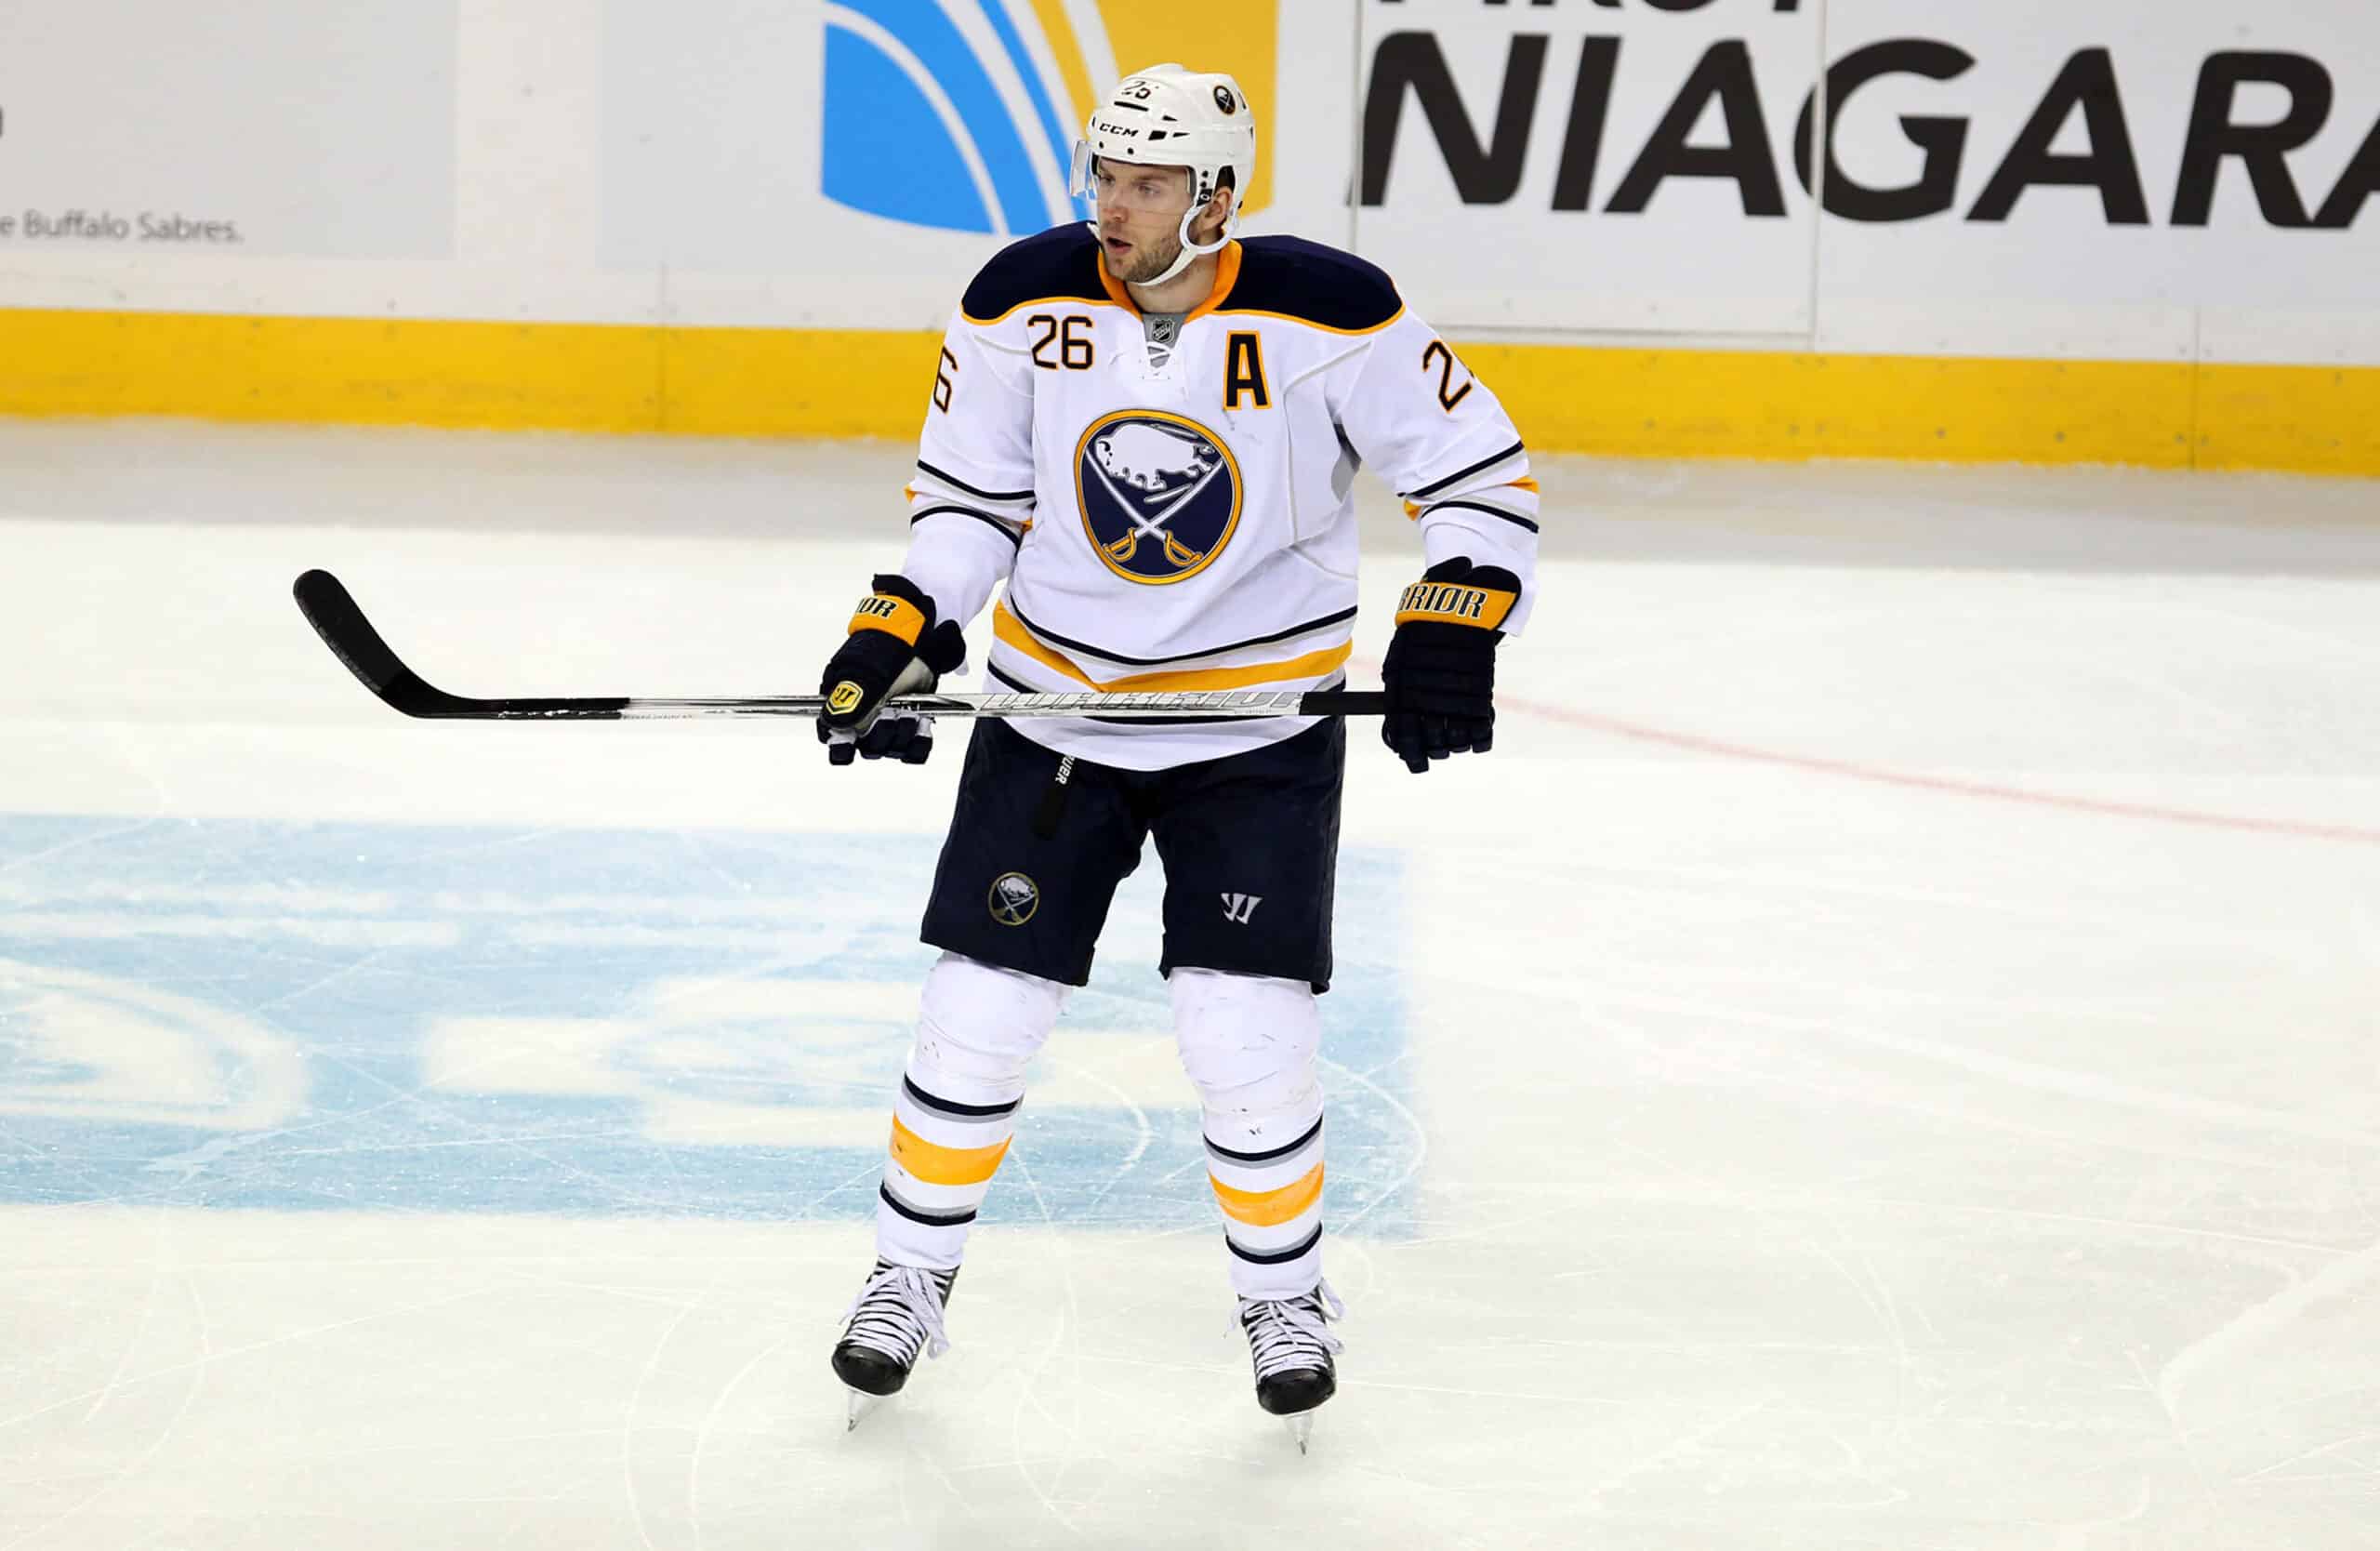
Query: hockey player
[1148, 431]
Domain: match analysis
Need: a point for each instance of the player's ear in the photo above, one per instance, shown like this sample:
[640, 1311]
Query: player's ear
[1218, 207]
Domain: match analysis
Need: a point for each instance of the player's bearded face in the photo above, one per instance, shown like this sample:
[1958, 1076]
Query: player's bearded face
[1147, 260]
[1140, 217]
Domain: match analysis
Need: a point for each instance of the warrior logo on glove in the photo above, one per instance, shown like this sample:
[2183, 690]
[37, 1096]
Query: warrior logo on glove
[1160, 493]
[1455, 605]
[1441, 670]
[896, 646]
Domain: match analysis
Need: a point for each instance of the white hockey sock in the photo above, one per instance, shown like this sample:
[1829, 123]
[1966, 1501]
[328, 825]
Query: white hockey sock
[1272, 1206]
[943, 1157]
[1249, 1045]
[977, 1029]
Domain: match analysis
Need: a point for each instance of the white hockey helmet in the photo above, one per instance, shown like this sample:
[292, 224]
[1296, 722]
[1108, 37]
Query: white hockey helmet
[1169, 117]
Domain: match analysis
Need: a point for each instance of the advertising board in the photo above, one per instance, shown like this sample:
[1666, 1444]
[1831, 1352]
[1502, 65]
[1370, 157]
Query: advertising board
[877, 149]
[242, 128]
[2139, 230]
[2127, 177]
[1575, 167]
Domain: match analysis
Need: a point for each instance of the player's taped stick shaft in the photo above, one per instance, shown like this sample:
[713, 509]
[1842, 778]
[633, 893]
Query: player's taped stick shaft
[334, 614]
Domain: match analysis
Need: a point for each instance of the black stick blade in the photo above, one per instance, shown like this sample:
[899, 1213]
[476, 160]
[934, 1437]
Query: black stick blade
[331, 611]
[328, 607]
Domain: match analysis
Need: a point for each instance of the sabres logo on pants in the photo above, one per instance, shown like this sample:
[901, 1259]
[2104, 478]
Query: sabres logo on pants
[1160, 494]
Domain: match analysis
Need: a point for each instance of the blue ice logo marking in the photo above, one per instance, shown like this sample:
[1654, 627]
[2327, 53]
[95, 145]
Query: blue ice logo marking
[927, 126]
[255, 1014]
[1160, 494]
[97, 1048]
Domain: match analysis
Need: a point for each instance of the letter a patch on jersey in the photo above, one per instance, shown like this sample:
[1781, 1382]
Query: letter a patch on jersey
[1244, 373]
[1160, 494]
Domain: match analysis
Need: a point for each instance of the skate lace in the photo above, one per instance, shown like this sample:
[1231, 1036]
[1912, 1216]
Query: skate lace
[898, 1311]
[1284, 1334]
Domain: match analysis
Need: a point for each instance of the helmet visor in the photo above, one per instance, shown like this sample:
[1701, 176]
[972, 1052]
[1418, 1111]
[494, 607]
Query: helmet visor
[1128, 186]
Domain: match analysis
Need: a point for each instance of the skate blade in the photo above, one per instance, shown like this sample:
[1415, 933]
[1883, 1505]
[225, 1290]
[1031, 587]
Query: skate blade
[1300, 1428]
[858, 1404]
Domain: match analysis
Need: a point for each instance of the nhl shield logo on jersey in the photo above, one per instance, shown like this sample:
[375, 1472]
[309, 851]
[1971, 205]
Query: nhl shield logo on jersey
[1160, 494]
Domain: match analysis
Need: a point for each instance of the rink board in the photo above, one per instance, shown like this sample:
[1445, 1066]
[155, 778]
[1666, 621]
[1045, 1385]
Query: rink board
[248, 1014]
[1667, 402]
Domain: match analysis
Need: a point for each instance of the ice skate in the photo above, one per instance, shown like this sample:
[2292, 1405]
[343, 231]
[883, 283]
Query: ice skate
[1293, 1352]
[897, 1315]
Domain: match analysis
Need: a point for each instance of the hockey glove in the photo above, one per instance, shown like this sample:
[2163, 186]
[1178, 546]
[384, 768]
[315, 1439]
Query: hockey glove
[894, 647]
[1440, 673]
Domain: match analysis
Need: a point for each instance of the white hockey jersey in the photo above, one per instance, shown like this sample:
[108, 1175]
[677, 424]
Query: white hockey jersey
[1181, 519]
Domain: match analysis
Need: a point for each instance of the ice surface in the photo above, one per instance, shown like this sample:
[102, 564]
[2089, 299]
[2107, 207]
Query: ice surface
[1886, 1053]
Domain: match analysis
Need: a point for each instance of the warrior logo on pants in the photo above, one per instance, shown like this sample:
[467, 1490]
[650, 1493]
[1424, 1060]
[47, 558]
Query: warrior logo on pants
[1160, 494]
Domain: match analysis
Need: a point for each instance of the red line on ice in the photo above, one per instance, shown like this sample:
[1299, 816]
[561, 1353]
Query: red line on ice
[1950, 785]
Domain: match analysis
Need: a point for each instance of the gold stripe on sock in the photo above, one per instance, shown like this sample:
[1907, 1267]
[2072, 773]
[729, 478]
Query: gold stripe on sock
[1269, 1208]
[940, 1165]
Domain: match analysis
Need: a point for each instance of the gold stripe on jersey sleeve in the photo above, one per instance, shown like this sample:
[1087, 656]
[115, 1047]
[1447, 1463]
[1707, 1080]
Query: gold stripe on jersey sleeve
[941, 1165]
[1413, 509]
[1010, 631]
[1269, 1208]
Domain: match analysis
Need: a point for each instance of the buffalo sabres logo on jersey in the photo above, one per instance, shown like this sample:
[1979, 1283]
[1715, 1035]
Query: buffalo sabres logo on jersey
[1160, 494]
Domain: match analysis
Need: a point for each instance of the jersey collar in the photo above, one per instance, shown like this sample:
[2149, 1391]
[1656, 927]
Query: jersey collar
[1226, 276]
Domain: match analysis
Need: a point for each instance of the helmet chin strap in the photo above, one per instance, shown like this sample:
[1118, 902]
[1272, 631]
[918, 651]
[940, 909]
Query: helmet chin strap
[1191, 250]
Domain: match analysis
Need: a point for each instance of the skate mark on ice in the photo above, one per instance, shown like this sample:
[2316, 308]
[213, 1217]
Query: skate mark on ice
[704, 1428]
[1414, 1161]
[117, 1477]
[2022, 1073]
[2181, 1434]
[2314, 1453]
[2261, 1321]
[1673, 1448]
[1878, 1299]
[97, 837]
[1029, 1392]
[211, 1355]
[1145, 1133]
[636, 1398]
[140, 1327]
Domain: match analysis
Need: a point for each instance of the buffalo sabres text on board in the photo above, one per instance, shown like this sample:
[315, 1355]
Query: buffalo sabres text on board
[106, 226]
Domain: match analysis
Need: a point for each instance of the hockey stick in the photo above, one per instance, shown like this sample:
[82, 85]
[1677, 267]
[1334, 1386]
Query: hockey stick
[333, 613]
